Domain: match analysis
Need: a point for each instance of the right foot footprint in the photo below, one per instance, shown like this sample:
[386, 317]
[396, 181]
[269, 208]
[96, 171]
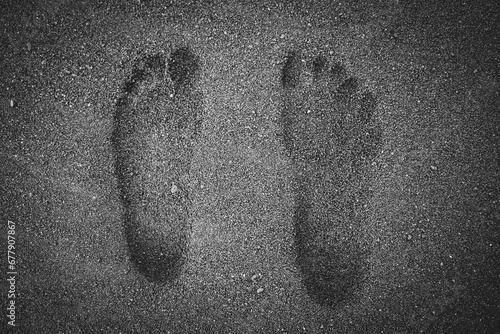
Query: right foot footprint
[324, 115]
[329, 131]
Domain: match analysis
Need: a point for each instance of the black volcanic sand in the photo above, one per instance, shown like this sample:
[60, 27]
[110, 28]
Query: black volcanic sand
[375, 210]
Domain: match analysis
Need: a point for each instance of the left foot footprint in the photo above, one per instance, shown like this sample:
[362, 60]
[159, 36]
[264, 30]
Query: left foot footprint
[156, 125]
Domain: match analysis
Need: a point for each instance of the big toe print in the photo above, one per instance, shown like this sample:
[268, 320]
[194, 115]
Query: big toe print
[329, 132]
[156, 125]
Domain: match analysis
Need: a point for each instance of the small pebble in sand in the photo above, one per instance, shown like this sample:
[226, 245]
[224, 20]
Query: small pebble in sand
[255, 278]
[260, 290]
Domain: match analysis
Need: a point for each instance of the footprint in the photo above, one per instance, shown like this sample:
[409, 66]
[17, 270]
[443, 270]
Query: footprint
[330, 134]
[156, 125]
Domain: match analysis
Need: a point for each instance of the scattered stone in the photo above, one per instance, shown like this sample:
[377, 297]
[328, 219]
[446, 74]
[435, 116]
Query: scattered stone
[256, 278]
